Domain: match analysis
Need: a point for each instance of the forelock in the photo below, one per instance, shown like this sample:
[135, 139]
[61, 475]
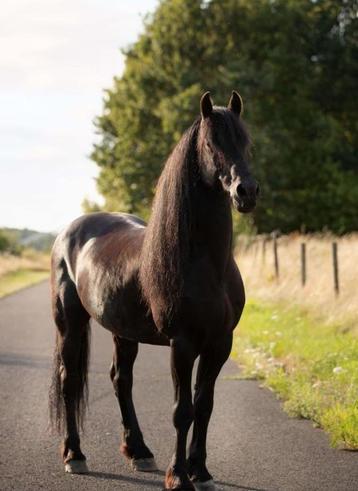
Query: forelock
[223, 119]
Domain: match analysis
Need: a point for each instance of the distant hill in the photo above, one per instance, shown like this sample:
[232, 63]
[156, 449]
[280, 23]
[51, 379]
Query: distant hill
[39, 241]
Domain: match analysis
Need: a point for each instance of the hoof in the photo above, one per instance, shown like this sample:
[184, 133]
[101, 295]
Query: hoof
[178, 489]
[76, 467]
[144, 465]
[205, 486]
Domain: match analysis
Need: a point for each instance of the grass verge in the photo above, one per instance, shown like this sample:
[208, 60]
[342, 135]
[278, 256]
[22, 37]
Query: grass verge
[255, 258]
[16, 280]
[313, 367]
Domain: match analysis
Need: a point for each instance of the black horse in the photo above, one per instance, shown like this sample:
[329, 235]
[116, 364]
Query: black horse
[173, 282]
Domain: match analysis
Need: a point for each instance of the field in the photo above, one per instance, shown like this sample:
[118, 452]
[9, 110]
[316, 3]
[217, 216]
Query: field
[256, 263]
[17, 272]
[301, 342]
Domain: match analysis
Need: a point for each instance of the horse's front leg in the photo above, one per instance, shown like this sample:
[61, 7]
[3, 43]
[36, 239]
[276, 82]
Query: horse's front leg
[133, 446]
[182, 360]
[210, 364]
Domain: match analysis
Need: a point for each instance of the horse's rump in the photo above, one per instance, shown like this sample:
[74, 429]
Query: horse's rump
[100, 254]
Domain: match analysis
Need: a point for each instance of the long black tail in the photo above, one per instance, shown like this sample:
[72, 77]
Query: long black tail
[80, 386]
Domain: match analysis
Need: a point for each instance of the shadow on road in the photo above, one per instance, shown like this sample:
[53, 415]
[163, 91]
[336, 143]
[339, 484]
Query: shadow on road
[21, 360]
[135, 480]
[156, 482]
[238, 487]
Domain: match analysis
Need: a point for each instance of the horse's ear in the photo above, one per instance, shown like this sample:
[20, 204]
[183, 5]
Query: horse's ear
[206, 105]
[235, 103]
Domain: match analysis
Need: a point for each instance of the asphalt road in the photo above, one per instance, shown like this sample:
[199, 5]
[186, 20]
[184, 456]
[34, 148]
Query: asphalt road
[252, 444]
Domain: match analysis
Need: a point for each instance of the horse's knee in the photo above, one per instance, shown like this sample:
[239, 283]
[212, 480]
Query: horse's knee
[204, 406]
[122, 381]
[183, 415]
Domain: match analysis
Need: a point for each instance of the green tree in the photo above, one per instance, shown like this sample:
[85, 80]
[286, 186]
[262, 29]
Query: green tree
[8, 243]
[4, 242]
[294, 61]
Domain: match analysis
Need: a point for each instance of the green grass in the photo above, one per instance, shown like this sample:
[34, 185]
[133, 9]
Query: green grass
[21, 278]
[313, 367]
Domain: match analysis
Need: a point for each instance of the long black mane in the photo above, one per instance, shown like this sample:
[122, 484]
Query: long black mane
[167, 239]
[166, 243]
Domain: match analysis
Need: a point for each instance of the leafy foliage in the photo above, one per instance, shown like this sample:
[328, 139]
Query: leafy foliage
[294, 62]
[8, 243]
[13, 240]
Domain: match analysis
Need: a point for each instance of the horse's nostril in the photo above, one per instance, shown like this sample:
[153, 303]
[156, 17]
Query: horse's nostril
[257, 190]
[241, 191]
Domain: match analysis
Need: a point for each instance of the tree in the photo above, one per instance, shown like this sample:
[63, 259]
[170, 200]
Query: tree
[8, 243]
[4, 242]
[294, 61]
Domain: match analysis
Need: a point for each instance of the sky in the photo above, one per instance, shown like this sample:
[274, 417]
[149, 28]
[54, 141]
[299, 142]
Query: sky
[56, 58]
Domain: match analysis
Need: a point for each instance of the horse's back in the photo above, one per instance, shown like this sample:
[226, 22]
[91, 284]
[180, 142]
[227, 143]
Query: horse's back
[96, 233]
[91, 253]
[99, 224]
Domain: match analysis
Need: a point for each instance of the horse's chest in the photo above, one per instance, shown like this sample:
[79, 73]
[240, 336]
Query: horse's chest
[204, 313]
[205, 302]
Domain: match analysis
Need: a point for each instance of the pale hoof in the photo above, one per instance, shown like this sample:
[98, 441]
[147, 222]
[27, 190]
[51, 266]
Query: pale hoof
[144, 465]
[76, 467]
[205, 486]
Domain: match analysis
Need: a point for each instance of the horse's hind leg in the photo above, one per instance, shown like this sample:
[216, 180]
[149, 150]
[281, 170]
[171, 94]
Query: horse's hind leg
[133, 446]
[69, 388]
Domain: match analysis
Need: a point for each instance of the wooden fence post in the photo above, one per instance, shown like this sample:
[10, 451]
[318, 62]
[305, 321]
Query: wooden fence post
[303, 264]
[264, 249]
[335, 267]
[275, 254]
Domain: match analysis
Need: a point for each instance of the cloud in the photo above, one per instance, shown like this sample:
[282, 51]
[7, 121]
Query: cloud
[56, 57]
[65, 45]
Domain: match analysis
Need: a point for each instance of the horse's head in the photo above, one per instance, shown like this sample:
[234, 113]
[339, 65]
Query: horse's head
[223, 148]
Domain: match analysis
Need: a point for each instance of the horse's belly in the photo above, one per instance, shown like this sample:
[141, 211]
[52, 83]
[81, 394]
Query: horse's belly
[120, 310]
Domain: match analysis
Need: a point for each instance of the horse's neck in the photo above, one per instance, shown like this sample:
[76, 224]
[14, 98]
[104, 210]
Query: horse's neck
[211, 231]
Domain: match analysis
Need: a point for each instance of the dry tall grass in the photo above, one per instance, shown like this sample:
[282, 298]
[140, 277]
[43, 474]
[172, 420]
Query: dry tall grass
[29, 260]
[256, 263]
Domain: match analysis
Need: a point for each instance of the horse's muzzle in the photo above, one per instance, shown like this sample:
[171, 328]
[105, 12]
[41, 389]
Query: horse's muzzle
[244, 206]
[245, 195]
